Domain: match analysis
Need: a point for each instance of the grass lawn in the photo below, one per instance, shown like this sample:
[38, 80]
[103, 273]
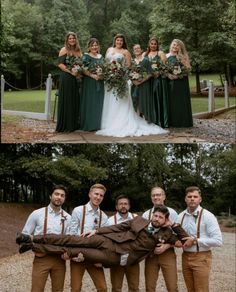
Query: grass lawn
[33, 101]
[214, 77]
[28, 100]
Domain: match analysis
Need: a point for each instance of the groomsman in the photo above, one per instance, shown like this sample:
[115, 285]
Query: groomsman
[205, 233]
[165, 259]
[84, 219]
[48, 220]
[117, 272]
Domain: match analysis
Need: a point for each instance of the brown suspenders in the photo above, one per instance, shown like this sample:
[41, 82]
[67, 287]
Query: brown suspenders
[198, 224]
[45, 226]
[83, 219]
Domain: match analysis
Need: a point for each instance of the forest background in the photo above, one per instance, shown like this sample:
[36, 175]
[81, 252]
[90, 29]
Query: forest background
[28, 172]
[33, 31]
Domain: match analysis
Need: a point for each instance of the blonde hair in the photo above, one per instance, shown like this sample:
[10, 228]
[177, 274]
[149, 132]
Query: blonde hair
[98, 186]
[182, 54]
[76, 47]
[156, 187]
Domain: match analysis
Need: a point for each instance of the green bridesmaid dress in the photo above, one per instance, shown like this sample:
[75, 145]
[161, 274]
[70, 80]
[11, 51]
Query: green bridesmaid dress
[92, 97]
[68, 101]
[142, 94]
[161, 98]
[180, 101]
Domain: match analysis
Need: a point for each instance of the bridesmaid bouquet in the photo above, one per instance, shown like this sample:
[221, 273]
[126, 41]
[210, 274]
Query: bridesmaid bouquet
[74, 64]
[94, 69]
[116, 76]
[178, 69]
[137, 72]
[160, 67]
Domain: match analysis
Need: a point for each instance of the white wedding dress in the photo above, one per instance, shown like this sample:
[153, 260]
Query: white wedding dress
[119, 118]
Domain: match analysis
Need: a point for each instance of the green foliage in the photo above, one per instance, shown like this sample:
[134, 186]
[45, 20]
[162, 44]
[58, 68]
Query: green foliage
[28, 171]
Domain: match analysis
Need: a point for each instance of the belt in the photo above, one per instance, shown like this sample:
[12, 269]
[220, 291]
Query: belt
[195, 252]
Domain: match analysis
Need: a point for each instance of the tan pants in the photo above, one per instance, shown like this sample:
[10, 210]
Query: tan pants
[77, 271]
[132, 275]
[196, 268]
[51, 265]
[167, 263]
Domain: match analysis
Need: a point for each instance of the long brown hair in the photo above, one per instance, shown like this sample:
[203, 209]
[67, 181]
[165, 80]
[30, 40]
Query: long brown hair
[119, 35]
[91, 42]
[76, 47]
[148, 48]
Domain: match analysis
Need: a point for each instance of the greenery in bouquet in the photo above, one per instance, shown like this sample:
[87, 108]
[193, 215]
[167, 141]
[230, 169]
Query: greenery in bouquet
[160, 67]
[137, 72]
[178, 69]
[115, 77]
[74, 64]
[93, 68]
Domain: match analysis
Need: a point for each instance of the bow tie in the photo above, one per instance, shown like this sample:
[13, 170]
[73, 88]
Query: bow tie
[151, 230]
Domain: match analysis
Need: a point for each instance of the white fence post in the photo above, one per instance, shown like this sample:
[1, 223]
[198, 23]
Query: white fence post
[211, 97]
[2, 91]
[226, 94]
[48, 97]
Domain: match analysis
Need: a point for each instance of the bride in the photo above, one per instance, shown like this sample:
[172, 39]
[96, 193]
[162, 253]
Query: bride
[119, 118]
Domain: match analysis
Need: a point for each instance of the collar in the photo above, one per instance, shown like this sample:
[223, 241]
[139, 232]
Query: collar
[118, 216]
[195, 213]
[50, 210]
[90, 209]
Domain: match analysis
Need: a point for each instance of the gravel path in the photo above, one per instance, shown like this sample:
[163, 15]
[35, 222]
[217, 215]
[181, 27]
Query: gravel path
[15, 272]
[220, 129]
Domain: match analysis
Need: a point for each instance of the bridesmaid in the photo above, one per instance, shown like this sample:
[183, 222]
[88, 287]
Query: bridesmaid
[93, 89]
[69, 89]
[180, 101]
[141, 89]
[159, 85]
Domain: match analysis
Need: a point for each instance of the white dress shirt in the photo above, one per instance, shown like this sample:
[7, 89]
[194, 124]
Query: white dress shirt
[120, 219]
[210, 234]
[91, 220]
[173, 214]
[35, 222]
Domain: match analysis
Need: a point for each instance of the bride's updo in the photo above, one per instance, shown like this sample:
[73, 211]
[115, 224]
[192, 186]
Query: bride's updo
[119, 35]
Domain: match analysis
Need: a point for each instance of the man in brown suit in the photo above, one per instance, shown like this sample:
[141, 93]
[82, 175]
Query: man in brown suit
[122, 244]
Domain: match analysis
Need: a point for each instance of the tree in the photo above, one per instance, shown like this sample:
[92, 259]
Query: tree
[199, 25]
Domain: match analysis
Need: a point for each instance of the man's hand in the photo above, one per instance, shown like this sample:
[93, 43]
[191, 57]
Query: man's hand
[79, 258]
[161, 247]
[65, 256]
[178, 244]
[190, 241]
[89, 234]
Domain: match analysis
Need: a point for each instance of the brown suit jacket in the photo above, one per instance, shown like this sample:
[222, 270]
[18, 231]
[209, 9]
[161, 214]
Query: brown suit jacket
[111, 242]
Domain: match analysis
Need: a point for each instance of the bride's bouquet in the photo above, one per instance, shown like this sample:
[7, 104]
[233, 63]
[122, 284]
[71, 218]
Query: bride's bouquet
[178, 69]
[74, 64]
[116, 76]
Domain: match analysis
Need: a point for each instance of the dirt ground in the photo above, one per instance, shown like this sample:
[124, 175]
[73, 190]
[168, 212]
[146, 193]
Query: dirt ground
[220, 129]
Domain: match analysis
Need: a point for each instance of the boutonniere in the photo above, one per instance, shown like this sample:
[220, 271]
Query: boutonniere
[63, 218]
[195, 216]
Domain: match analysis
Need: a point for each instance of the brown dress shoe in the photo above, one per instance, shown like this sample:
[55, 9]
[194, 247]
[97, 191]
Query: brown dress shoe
[25, 247]
[22, 238]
